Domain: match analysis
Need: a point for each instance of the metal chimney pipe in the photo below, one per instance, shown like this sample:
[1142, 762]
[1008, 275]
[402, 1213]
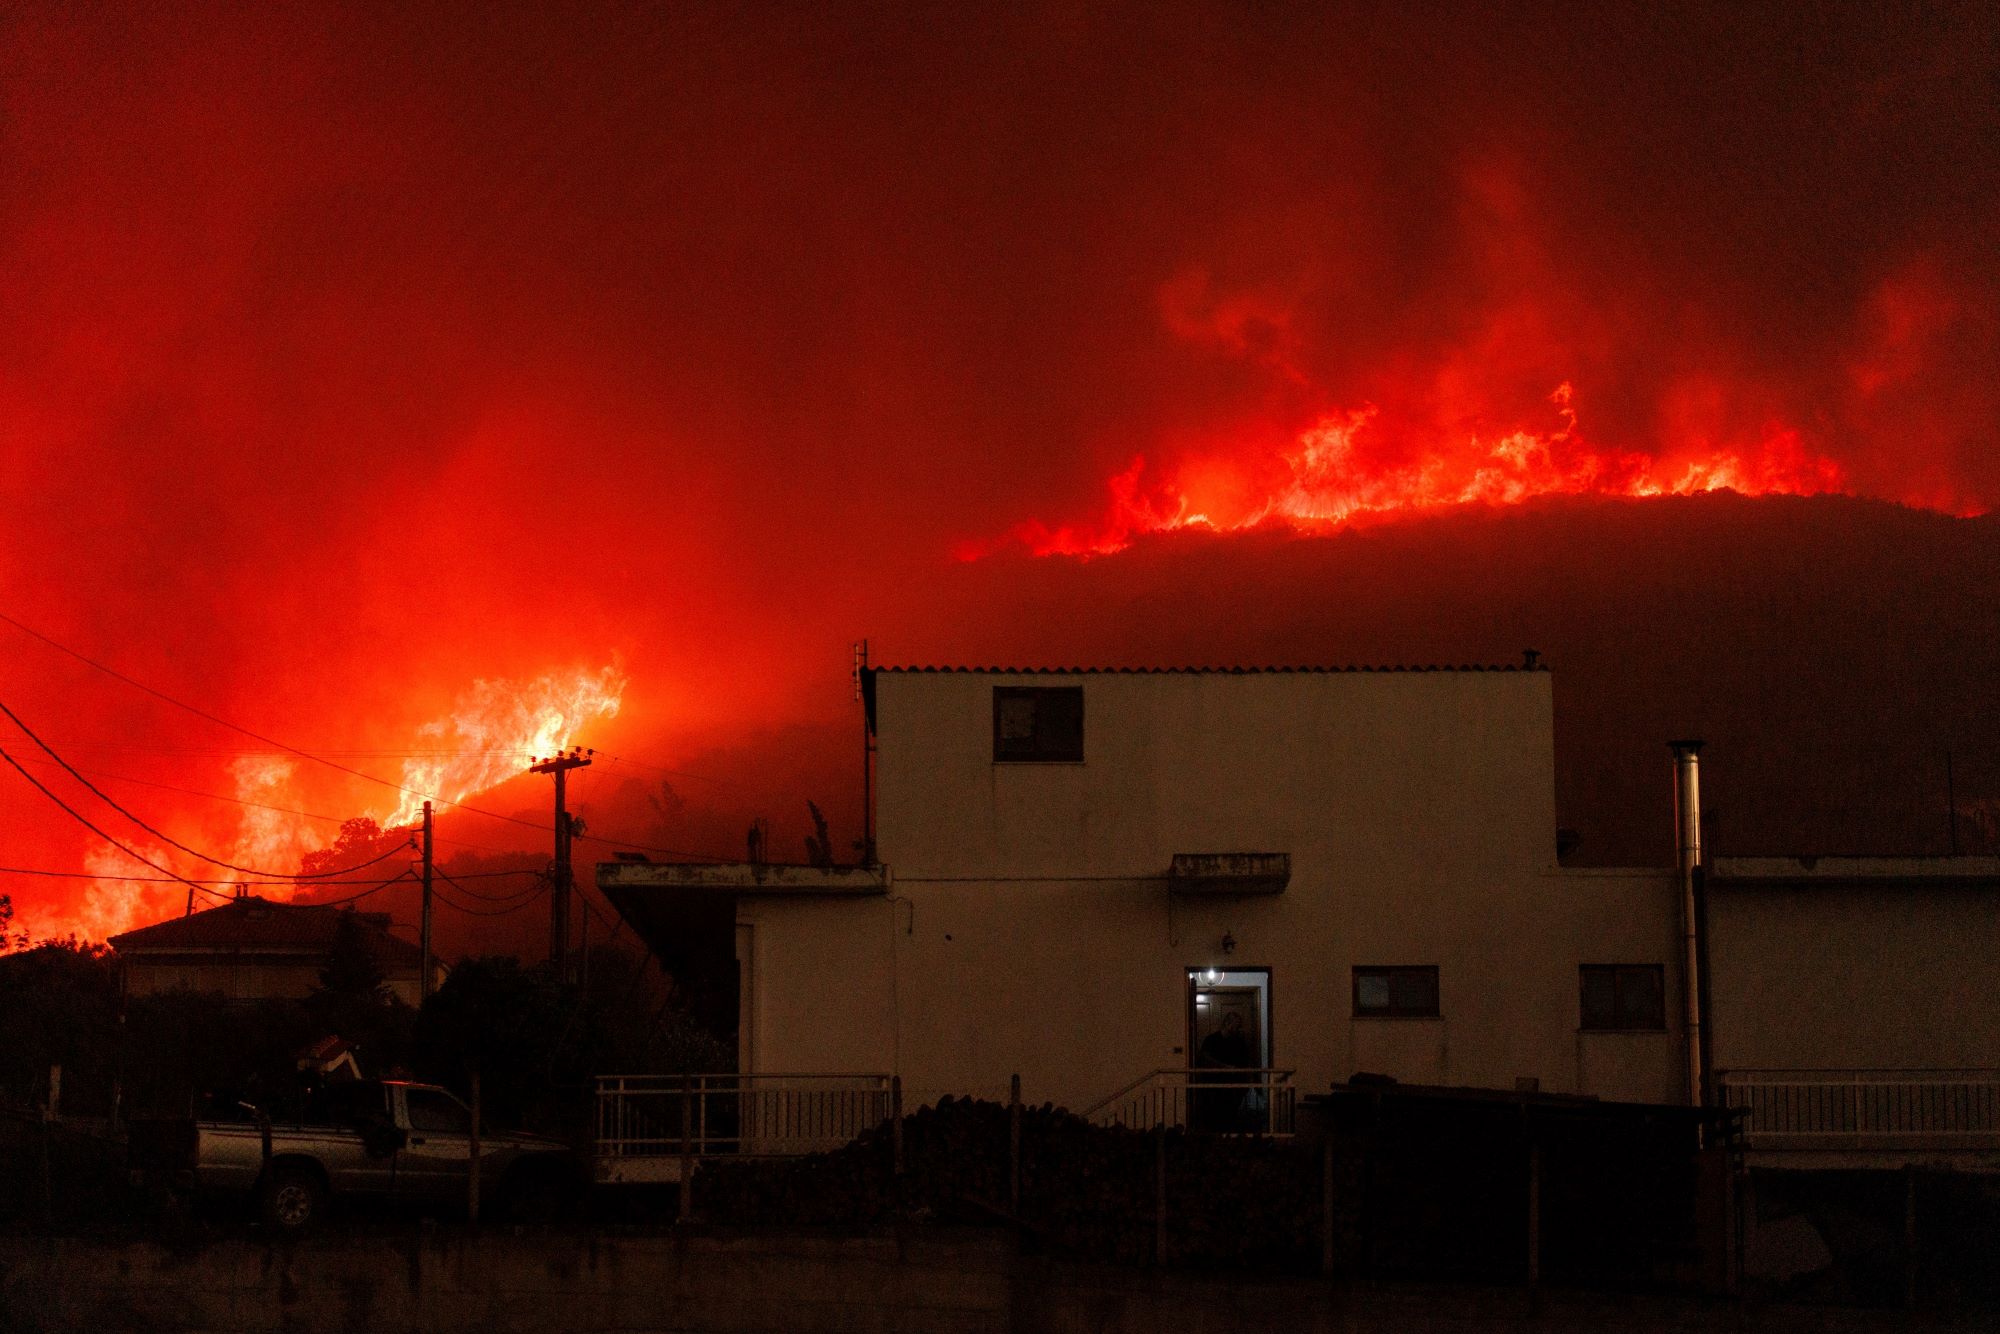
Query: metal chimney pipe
[1687, 857]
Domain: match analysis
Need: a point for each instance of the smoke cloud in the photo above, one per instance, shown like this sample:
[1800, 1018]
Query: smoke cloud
[353, 355]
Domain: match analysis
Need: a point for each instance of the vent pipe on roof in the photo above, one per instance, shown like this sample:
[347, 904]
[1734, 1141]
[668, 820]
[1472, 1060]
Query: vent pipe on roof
[1687, 861]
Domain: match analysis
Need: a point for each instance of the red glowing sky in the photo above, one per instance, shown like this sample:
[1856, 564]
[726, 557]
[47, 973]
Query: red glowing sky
[352, 355]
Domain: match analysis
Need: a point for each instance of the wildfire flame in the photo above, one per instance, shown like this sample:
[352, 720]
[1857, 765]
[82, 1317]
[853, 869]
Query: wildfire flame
[498, 727]
[1342, 470]
[494, 730]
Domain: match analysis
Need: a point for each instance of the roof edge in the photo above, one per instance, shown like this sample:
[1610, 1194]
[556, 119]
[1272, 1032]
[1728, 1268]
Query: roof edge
[1540, 668]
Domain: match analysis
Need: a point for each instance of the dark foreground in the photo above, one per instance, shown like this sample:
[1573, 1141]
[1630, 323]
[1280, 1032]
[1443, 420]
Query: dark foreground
[446, 1279]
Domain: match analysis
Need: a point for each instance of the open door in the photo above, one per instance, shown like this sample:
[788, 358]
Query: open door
[1229, 1048]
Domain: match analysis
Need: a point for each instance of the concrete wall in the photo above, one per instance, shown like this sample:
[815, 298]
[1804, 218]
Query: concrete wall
[1854, 977]
[1029, 927]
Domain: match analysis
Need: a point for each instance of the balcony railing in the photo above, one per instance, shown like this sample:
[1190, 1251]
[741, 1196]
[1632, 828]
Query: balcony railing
[1215, 1101]
[655, 1121]
[1866, 1109]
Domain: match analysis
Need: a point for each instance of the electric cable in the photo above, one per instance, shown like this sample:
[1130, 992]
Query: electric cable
[492, 898]
[78, 816]
[169, 839]
[528, 902]
[433, 797]
[264, 805]
[353, 898]
[223, 880]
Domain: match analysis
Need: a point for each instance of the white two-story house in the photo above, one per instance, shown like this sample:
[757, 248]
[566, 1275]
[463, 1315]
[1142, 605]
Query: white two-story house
[1084, 877]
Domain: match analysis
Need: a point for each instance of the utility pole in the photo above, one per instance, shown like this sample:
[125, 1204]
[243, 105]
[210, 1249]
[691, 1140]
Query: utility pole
[867, 756]
[561, 882]
[424, 931]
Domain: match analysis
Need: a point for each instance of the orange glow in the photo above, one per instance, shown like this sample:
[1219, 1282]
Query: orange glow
[497, 728]
[1345, 469]
[493, 731]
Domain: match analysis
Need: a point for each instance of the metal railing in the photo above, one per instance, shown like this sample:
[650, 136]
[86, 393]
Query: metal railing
[1210, 1101]
[707, 1116]
[1866, 1109]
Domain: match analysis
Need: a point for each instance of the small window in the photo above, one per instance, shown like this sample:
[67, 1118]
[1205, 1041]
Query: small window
[436, 1113]
[1405, 992]
[1624, 996]
[1037, 724]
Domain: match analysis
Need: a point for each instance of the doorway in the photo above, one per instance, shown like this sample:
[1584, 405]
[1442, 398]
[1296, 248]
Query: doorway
[1224, 1001]
[1229, 1049]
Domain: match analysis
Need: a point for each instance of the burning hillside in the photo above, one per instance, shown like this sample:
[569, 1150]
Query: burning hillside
[494, 730]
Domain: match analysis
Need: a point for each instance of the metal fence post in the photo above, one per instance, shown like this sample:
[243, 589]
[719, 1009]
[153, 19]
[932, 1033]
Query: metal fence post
[687, 1148]
[472, 1177]
[896, 1120]
[1909, 1237]
[1014, 1147]
[1534, 1215]
[1326, 1225]
[1160, 1195]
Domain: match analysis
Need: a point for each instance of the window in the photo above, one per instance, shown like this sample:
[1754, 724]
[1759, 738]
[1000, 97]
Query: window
[1037, 724]
[1624, 996]
[1406, 992]
[353, 1102]
[434, 1113]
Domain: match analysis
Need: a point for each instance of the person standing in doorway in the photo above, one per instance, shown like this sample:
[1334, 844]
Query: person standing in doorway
[1221, 1054]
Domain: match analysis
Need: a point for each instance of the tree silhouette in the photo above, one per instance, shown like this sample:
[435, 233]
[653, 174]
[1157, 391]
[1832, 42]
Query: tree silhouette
[352, 974]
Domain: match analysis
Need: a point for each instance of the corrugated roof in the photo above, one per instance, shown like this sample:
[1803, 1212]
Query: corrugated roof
[252, 924]
[1212, 671]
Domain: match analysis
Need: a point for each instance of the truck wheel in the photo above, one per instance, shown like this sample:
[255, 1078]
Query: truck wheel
[292, 1199]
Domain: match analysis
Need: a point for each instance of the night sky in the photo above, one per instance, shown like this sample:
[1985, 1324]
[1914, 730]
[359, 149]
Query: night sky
[354, 356]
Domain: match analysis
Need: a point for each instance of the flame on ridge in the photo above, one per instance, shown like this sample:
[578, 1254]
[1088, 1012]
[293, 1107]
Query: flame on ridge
[1337, 473]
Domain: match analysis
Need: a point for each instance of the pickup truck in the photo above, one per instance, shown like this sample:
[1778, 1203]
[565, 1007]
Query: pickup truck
[385, 1139]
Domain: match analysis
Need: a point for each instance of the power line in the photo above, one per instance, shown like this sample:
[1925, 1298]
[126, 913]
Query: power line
[352, 898]
[204, 714]
[212, 796]
[234, 880]
[494, 898]
[527, 901]
[76, 815]
[167, 838]
[256, 805]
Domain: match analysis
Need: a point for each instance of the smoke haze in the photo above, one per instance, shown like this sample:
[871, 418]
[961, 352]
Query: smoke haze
[352, 356]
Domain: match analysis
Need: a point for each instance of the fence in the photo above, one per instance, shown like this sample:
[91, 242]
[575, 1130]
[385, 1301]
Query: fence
[1866, 1109]
[657, 1121]
[1223, 1102]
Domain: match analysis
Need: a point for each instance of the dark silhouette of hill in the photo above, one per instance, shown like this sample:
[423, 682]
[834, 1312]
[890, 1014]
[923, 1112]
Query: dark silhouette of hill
[1831, 651]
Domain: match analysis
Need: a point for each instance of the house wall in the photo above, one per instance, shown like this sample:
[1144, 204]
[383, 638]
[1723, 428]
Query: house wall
[1854, 977]
[241, 978]
[1029, 928]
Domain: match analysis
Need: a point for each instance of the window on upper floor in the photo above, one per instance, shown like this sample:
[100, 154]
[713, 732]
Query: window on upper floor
[1403, 991]
[1037, 724]
[1624, 996]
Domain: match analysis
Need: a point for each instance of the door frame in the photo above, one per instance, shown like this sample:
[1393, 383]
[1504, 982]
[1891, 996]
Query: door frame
[1268, 1039]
